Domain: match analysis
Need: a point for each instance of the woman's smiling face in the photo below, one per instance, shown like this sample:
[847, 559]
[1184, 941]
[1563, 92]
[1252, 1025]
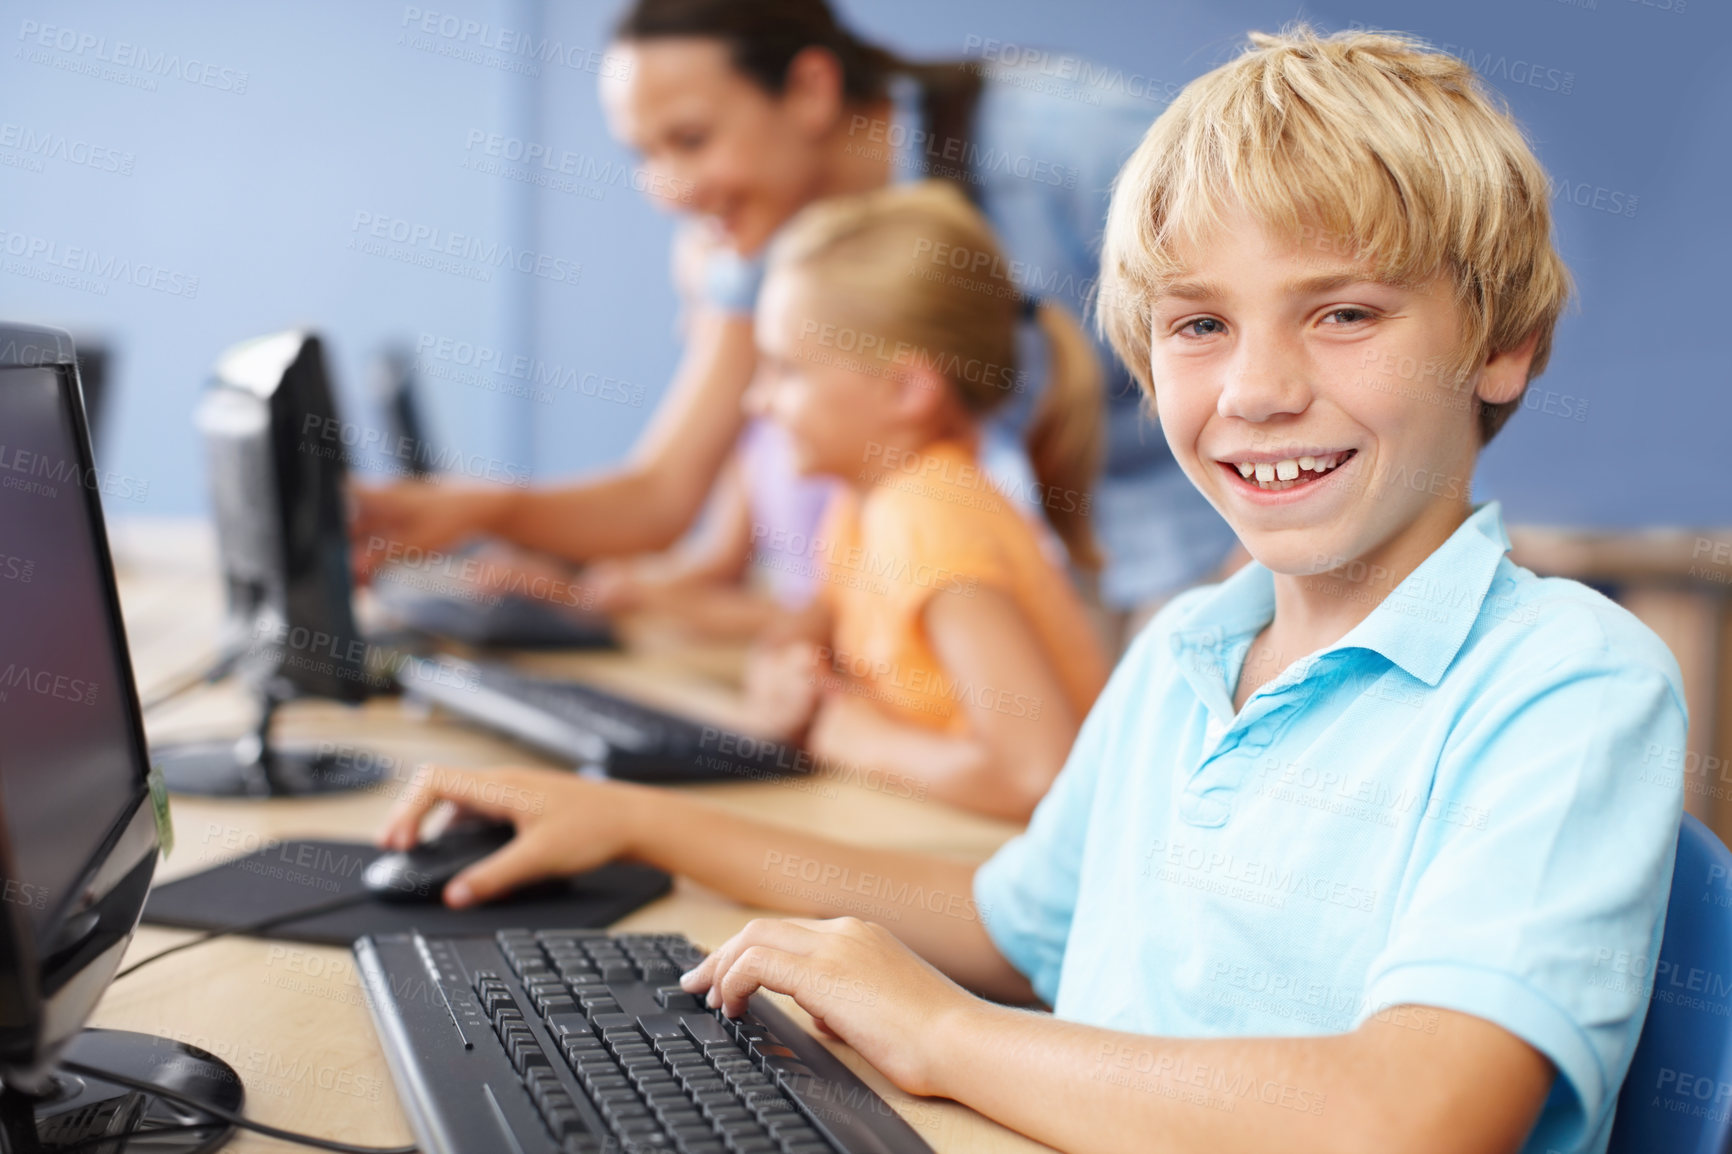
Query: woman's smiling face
[712, 141]
[1314, 404]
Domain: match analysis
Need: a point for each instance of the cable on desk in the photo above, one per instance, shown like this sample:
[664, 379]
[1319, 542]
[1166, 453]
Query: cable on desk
[143, 1131]
[329, 907]
[221, 1114]
[210, 673]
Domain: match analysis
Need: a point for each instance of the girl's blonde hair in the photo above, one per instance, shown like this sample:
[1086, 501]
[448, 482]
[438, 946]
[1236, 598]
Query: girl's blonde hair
[925, 284]
[1366, 146]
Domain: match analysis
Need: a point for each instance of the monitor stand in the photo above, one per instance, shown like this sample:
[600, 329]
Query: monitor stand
[254, 766]
[85, 1114]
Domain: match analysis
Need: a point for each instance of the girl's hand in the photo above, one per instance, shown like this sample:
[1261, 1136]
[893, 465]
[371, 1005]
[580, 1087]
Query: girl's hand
[856, 979]
[565, 824]
[615, 585]
[782, 688]
[847, 728]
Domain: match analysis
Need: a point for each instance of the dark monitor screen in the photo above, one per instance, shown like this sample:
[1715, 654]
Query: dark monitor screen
[71, 764]
[277, 461]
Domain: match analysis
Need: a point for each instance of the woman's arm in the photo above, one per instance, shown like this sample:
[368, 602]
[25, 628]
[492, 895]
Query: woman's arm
[1020, 720]
[642, 506]
[1412, 1079]
[567, 824]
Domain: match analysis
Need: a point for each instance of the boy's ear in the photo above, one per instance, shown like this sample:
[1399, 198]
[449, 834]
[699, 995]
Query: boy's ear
[1505, 374]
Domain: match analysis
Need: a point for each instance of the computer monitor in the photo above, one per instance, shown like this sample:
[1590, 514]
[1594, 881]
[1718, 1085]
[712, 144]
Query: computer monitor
[94, 363]
[275, 452]
[454, 609]
[79, 830]
[391, 378]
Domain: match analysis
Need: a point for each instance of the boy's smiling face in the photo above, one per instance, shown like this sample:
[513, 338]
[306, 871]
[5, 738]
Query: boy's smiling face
[1331, 386]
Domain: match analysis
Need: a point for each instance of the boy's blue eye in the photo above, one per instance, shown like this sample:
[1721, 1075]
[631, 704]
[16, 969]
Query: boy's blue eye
[1351, 314]
[1212, 324]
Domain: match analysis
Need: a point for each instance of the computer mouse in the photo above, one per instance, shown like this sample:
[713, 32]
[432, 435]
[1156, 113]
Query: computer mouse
[420, 874]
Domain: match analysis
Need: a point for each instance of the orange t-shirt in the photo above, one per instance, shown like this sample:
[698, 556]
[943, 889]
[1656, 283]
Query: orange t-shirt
[934, 523]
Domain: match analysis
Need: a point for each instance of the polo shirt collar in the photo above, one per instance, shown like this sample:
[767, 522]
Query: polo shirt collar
[1420, 626]
[1424, 621]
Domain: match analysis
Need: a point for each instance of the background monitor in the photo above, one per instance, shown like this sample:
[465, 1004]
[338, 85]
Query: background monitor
[391, 377]
[276, 454]
[454, 610]
[79, 832]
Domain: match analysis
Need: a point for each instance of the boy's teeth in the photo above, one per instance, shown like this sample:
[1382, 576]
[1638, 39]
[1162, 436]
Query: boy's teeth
[1282, 473]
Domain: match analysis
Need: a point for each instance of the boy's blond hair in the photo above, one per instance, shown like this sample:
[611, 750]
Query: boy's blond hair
[1364, 145]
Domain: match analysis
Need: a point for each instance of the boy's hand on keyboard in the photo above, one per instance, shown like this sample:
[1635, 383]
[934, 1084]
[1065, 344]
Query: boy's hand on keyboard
[565, 824]
[856, 979]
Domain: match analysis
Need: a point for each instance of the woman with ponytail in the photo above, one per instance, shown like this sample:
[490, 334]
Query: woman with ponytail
[746, 111]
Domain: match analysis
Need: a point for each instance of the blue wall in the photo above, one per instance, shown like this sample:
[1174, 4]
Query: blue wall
[258, 146]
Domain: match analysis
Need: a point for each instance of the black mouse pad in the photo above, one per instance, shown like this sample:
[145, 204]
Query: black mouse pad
[288, 876]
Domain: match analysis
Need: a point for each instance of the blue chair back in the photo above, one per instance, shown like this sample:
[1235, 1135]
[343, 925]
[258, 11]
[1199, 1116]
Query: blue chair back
[1677, 1098]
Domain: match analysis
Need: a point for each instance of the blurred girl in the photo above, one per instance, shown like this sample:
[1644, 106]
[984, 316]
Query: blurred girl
[944, 642]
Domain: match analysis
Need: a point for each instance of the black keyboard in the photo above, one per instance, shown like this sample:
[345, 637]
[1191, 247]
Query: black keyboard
[589, 726]
[507, 622]
[577, 1042]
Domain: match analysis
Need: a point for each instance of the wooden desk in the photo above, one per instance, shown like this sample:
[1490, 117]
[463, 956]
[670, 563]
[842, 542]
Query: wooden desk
[291, 1018]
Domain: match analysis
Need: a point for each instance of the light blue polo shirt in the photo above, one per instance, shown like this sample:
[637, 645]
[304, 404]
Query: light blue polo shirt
[1445, 808]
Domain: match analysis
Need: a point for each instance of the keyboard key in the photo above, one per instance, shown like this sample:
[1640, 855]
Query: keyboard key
[754, 1146]
[601, 1084]
[676, 1046]
[692, 1133]
[564, 1121]
[790, 1072]
[706, 1030]
[754, 1096]
[791, 1130]
[660, 1026]
[676, 999]
[571, 1022]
